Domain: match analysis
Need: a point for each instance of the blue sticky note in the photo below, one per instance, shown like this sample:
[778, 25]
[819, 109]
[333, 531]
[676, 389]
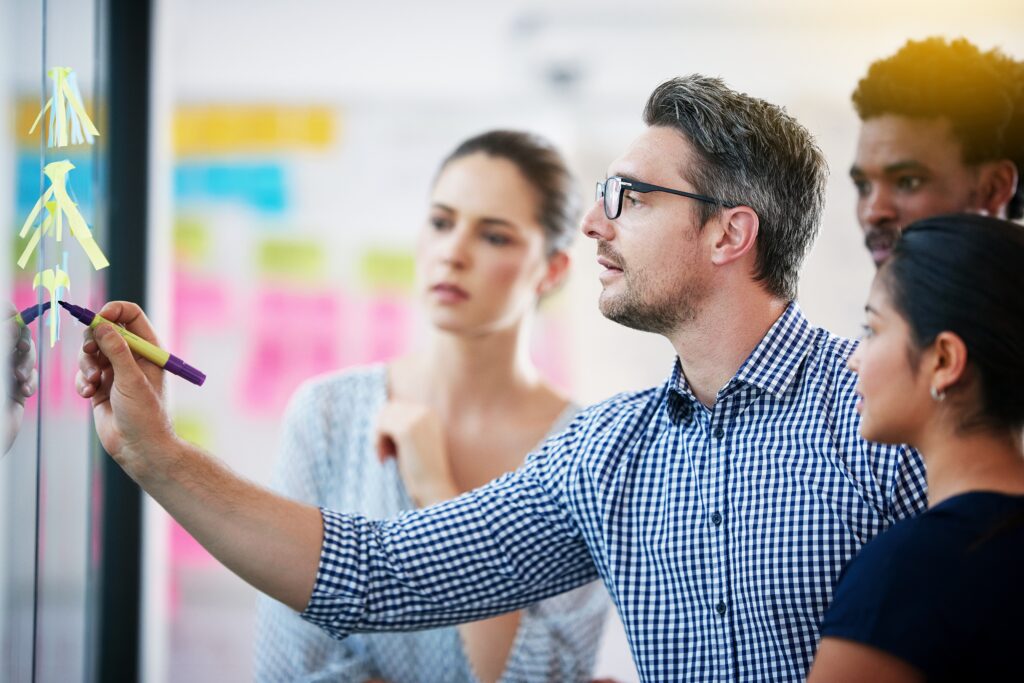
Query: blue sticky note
[258, 185]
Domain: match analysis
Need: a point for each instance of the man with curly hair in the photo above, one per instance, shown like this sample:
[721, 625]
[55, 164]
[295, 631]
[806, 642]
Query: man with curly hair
[942, 131]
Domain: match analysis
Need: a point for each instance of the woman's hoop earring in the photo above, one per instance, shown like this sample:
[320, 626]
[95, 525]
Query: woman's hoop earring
[938, 396]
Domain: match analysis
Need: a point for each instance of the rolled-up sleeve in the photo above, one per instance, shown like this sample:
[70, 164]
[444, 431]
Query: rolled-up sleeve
[496, 549]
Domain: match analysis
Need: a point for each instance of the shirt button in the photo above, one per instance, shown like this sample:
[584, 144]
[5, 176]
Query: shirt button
[716, 518]
[679, 411]
[719, 433]
[720, 608]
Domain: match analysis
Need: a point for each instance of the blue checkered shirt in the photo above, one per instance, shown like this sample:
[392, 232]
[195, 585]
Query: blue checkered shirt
[719, 532]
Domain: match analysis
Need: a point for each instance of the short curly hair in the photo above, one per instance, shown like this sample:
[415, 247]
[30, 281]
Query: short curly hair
[980, 93]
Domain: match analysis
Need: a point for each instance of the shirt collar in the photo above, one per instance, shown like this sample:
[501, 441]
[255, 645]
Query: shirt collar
[772, 365]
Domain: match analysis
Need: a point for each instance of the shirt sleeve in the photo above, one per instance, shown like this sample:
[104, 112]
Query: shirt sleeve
[496, 549]
[286, 647]
[557, 639]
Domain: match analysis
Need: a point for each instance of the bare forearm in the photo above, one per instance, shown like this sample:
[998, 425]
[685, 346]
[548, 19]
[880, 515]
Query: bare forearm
[271, 542]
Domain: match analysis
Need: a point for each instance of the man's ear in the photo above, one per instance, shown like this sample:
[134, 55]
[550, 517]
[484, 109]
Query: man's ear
[557, 269]
[998, 185]
[737, 234]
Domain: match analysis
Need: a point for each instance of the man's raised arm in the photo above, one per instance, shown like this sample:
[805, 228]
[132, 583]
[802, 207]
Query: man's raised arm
[493, 550]
[270, 541]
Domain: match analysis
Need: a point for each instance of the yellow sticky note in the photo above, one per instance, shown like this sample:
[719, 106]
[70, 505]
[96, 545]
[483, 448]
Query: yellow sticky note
[390, 269]
[51, 280]
[41, 231]
[57, 174]
[191, 241]
[292, 260]
[69, 122]
[205, 129]
[193, 429]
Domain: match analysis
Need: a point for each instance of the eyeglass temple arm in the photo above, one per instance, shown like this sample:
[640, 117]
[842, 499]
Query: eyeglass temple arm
[647, 187]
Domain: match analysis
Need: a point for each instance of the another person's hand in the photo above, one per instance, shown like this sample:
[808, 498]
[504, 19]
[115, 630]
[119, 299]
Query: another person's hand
[22, 380]
[413, 434]
[126, 391]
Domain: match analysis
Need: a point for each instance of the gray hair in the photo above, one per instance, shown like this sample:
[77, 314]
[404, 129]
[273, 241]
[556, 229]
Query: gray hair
[753, 153]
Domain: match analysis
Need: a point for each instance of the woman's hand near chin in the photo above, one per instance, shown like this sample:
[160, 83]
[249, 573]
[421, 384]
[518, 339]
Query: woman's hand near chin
[413, 434]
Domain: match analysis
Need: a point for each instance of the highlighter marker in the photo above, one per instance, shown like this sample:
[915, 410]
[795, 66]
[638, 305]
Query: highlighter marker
[150, 352]
[29, 314]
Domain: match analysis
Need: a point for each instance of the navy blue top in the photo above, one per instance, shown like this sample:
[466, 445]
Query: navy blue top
[943, 591]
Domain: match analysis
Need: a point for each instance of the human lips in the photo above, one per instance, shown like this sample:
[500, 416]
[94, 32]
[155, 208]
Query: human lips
[880, 243]
[611, 270]
[608, 264]
[449, 292]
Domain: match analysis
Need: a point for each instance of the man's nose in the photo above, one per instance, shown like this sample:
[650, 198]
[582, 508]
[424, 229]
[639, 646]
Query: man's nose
[878, 207]
[595, 224]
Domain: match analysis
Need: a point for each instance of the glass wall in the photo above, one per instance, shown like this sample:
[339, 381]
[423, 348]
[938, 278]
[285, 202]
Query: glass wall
[51, 198]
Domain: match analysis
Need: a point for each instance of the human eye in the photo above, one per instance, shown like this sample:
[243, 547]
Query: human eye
[633, 198]
[439, 223]
[909, 183]
[866, 332]
[496, 238]
[862, 186]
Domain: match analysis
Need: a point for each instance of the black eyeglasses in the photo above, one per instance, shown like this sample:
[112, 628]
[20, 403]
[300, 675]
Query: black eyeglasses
[611, 192]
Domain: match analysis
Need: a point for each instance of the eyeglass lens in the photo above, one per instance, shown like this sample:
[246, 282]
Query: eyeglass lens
[612, 192]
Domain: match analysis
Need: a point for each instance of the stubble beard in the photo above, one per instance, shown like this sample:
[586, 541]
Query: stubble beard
[638, 308]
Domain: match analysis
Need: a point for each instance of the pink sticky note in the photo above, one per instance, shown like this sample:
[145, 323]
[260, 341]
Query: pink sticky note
[293, 336]
[24, 295]
[387, 329]
[185, 550]
[199, 303]
[185, 553]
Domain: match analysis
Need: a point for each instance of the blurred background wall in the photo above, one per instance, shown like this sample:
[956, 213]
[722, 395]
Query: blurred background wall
[293, 148]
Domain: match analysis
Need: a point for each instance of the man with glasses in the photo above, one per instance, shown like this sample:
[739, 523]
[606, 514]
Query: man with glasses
[718, 508]
[942, 131]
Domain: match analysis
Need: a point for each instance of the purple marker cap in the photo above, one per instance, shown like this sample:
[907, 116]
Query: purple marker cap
[183, 369]
[34, 311]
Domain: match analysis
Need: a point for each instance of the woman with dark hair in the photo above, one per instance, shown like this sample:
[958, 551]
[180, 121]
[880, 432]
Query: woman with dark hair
[382, 439]
[941, 596]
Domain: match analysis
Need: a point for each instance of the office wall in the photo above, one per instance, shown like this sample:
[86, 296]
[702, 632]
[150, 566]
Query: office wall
[321, 213]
